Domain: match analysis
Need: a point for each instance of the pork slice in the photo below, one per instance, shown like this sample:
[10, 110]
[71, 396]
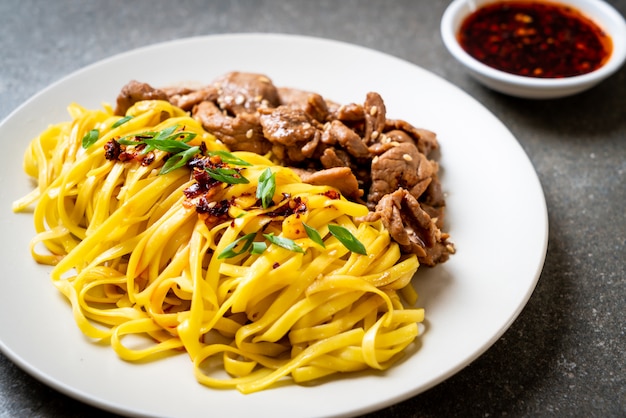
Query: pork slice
[186, 99]
[134, 92]
[317, 108]
[239, 133]
[349, 113]
[433, 201]
[287, 126]
[402, 166]
[336, 132]
[425, 140]
[332, 157]
[240, 92]
[293, 133]
[340, 178]
[375, 117]
[412, 227]
[293, 97]
[388, 140]
[311, 103]
[178, 90]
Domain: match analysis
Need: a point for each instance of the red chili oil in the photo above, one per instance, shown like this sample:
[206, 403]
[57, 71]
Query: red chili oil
[535, 39]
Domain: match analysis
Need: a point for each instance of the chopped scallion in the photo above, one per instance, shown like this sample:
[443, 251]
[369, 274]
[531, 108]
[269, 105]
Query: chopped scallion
[347, 239]
[230, 252]
[227, 175]
[285, 243]
[313, 234]
[266, 188]
[90, 138]
[121, 121]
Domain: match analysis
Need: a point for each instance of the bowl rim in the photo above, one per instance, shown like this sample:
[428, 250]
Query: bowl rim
[610, 20]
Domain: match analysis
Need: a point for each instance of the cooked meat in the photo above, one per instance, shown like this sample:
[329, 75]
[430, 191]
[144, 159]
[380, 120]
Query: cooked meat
[293, 97]
[433, 201]
[411, 227]
[399, 136]
[293, 133]
[240, 133]
[186, 99]
[287, 126]
[402, 166]
[317, 108]
[340, 178]
[245, 92]
[134, 92]
[332, 157]
[375, 117]
[350, 113]
[338, 133]
[388, 140]
[311, 103]
[425, 140]
[352, 147]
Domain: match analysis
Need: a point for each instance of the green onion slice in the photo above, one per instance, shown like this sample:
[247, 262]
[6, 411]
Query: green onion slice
[347, 239]
[258, 247]
[266, 188]
[179, 160]
[285, 243]
[90, 138]
[227, 175]
[121, 121]
[230, 252]
[314, 235]
[229, 158]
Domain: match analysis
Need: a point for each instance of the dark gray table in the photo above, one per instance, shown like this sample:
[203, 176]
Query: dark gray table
[566, 353]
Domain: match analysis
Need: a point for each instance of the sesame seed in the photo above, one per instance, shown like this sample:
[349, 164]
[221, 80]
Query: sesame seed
[306, 125]
[407, 157]
[240, 99]
[394, 143]
[374, 134]
[385, 139]
[375, 159]
[373, 110]
[249, 133]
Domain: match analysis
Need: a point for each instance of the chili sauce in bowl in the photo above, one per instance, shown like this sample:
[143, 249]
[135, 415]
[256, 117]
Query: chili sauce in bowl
[535, 39]
[533, 48]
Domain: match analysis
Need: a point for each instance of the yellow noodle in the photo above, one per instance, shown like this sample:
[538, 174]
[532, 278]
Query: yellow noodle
[141, 270]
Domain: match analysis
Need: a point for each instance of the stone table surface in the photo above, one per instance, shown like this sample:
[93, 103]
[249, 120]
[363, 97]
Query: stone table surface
[565, 355]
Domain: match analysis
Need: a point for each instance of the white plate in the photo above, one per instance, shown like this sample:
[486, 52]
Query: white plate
[496, 215]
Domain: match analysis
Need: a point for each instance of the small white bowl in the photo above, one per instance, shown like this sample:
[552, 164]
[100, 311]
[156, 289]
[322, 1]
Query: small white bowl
[605, 16]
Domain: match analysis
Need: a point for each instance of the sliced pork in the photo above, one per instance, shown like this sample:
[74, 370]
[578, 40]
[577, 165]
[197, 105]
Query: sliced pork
[388, 164]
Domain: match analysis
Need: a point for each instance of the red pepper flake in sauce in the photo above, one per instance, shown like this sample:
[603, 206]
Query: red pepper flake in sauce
[535, 39]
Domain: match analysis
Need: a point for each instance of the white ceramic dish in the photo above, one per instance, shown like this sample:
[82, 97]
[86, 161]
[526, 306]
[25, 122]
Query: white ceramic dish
[470, 301]
[537, 88]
